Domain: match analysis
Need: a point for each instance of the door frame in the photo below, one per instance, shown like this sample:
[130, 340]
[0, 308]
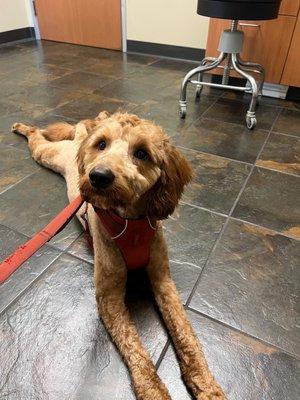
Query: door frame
[31, 12]
[124, 25]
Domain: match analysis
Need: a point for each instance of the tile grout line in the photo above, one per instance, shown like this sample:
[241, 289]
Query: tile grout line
[163, 353]
[241, 331]
[262, 226]
[215, 155]
[237, 219]
[276, 170]
[25, 289]
[204, 209]
[285, 134]
[206, 262]
[16, 183]
[229, 215]
[60, 253]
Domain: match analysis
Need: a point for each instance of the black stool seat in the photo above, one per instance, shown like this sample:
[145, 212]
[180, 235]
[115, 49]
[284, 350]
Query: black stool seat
[239, 9]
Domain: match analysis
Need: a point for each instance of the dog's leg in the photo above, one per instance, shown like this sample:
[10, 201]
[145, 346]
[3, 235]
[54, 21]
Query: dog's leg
[193, 365]
[110, 281]
[48, 154]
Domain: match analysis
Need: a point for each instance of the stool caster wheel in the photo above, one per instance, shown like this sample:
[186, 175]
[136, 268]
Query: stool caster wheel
[182, 112]
[198, 92]
[251, 122]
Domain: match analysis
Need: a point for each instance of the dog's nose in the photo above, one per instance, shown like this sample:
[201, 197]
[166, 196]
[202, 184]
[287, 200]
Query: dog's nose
[101, 178]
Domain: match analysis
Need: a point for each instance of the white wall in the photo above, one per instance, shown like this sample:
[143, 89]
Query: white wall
[174, 22]
[14, 14]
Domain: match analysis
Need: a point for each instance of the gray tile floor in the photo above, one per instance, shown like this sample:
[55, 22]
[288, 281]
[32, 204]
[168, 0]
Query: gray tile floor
[234, 241]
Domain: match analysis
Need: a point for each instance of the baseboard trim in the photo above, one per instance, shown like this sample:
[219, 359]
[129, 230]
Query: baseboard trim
[293, 93]
[17, 34]
[166, 50]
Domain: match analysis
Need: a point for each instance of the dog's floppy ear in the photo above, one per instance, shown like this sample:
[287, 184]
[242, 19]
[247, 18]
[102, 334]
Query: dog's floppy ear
[164, 196]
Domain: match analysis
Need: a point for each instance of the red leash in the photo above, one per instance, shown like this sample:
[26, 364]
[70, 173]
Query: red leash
[22, 253]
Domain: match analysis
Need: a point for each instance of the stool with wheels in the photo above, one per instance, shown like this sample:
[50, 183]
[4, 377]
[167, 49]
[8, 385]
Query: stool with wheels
[230, 47]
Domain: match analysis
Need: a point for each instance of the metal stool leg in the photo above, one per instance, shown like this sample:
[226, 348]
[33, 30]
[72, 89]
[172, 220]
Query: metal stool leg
[199, 70]
[253, 67]
[199, 87]
[250, 116]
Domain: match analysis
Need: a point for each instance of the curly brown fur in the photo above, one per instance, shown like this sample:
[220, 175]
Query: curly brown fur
[151, 187]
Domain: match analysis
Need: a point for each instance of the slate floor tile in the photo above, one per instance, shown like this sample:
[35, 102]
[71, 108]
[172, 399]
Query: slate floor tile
[281, 153]
[164, 111]
[271, 101]
[217, 181]
[80, 248]
[63, 59]
[175, 65]
[139, 59]
[235, 111]
[185, 277]
[83, 81]
[244, 367]
[6, 136]
[89, 106]
[288, 122]
[174, 89]
[28, 272]
[54, 338]
[252, 282]
[21, 114]
[158, 77]
[15, 165]
[128, 90]
[191, 234]
[45, 95]
[222, 139]
[29, 205]
[30, 76]
[271, 199]
[41, 73]
[7, 49]
[109, 67]
[51, 117]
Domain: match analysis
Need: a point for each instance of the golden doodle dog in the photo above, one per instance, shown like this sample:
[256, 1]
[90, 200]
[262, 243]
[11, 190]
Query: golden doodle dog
[131, 178]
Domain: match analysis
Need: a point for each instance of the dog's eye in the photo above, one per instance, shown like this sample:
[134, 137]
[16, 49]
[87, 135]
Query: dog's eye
[102, 145]
[141, 154]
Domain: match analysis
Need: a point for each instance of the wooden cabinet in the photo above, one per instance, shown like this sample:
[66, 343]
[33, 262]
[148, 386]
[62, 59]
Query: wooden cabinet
[275, 44]
[291, 73]
[289, 7]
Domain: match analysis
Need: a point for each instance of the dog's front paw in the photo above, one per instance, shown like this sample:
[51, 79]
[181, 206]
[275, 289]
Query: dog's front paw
[150, 387]
[214, 393]
[203, 386]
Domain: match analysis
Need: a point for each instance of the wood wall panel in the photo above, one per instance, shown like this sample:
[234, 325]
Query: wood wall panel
[291, 73]
[88, 22]
[268, 43]
[289, 7]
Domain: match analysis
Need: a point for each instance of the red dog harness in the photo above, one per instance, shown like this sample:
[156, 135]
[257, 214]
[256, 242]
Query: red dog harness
[132, 236]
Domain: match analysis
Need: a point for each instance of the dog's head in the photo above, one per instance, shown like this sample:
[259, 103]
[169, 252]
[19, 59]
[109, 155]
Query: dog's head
[129, 164]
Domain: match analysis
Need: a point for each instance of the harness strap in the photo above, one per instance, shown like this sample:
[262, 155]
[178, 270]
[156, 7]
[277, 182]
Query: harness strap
[26, 250]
